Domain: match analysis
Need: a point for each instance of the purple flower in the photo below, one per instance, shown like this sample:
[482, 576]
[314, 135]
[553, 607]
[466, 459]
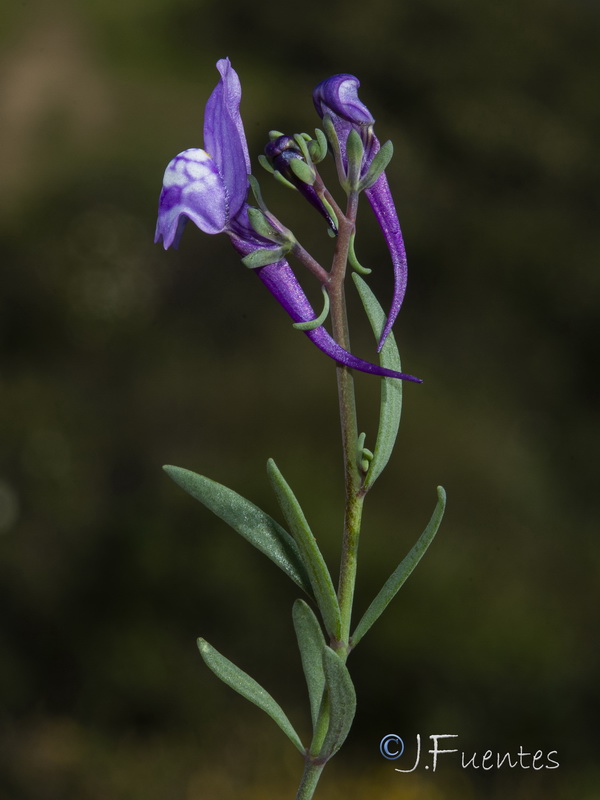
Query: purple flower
[338, 97]
[210, 188]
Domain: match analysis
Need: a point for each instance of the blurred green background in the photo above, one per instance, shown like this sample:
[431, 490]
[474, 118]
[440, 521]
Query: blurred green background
[118, 357]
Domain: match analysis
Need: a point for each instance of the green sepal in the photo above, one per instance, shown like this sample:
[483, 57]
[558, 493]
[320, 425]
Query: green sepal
[264, 162]
[402, 571]
[263, 256]
[315, 323]
[284, 181]
[377, 166]
[353, 260]
[302, 171]
[391, 389]
[255, 186]
[275, 135]
[355, 152]
[332, 214]
[318, 147]
[342, 703]
[302, 140]
[246, 519]
[313, 560]
[242, 683]
[262, 226]
[311, 643]
[334, 142]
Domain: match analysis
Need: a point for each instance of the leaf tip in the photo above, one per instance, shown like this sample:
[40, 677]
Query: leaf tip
[272, 469]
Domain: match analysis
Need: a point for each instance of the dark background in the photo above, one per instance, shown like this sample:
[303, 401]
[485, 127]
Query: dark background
[118, 357]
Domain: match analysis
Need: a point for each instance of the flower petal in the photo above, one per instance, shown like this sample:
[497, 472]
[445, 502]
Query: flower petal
[224, 136]
[193, 188]
[339, 95]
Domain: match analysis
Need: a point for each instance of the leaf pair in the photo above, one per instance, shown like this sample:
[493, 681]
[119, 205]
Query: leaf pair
[300, 558]
[330, 688]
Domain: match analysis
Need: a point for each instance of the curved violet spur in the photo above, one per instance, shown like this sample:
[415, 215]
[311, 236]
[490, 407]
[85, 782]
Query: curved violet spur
[338, 97]
[210, 188]
[283, 285]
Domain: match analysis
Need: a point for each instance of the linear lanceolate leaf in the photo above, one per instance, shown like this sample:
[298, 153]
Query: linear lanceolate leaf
[246, 686]
[313, 560]
[391, 389]
[246, 519]
[311, 643]
[342, 702]
[402, 571]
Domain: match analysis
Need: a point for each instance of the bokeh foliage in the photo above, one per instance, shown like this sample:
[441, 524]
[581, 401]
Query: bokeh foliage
[117, 358]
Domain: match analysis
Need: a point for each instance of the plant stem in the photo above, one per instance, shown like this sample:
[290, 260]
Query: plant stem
[310, 778]
[305, 258]
[349, 426]
[352, 474]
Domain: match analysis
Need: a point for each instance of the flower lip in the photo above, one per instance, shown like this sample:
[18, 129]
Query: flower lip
[193, 188]
[339, 94]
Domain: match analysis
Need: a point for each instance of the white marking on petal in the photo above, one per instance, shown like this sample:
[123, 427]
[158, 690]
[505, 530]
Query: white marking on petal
[193, 164]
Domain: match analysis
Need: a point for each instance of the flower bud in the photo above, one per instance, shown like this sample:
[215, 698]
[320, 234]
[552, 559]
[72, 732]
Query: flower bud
[286, 157]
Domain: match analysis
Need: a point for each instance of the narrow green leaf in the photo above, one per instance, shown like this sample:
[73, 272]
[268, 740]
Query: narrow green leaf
[311, 643]
[390, 409]
[246, 519]
[242, 683]
[319, 576]
[342, 702]
[402, 572]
